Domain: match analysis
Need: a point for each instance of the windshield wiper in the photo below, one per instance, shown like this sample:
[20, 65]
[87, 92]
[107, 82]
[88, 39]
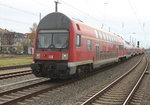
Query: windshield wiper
[51, 46]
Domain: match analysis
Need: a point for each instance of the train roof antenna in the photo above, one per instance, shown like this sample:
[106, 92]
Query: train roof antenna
[56, 5]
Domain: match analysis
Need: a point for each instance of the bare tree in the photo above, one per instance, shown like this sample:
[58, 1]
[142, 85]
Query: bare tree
[8, 38]
[32, 31]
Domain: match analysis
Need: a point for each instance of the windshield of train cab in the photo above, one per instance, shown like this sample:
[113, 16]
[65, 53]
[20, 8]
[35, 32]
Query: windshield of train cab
[53, 40]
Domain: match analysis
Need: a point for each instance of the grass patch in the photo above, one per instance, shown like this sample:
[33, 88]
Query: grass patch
[15, 61]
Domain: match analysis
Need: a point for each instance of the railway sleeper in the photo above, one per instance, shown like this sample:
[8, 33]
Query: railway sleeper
[108, 102]
[115, 99]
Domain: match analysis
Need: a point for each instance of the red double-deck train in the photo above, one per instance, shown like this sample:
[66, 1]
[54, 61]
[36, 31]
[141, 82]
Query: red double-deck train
[65, 47]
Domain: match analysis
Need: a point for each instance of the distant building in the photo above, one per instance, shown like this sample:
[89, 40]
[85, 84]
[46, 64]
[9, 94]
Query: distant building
[30, 47]
[13, 42]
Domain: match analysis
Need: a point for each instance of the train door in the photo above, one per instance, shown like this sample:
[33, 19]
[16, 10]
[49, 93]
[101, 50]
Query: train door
[97, 52]
[117, 51]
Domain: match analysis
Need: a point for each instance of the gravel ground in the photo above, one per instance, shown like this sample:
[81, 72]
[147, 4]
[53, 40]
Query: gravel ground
[71, 94]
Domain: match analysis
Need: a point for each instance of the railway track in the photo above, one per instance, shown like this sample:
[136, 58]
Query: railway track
[14, 67]
[138, 96]
[14, 95]
[24, 82]
[15, 74]
[120, 91]
[27, 92]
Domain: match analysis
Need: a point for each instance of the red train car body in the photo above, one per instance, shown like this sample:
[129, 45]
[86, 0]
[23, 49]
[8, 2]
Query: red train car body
[65, 47]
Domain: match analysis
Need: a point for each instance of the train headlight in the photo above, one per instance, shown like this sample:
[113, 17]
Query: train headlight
[38, 55]
[64, 56]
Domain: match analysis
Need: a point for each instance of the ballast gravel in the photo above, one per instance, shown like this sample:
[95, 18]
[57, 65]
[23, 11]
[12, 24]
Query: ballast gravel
[16, 79]
[73, 93]
[8, 81]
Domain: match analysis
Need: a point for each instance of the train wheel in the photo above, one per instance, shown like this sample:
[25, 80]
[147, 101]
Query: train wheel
[37, 73]
[78, 72]
[90, 67]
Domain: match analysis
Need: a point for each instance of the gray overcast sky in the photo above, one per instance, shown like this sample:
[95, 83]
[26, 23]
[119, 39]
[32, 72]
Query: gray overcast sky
[128, 18]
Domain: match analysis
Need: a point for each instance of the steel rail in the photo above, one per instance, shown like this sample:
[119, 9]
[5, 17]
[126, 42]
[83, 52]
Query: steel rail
[15, 74]
[50, 88]
[44, 90]
[127, 100]
[35, 93]
[22, 82]
[95, 96]
[17, 83]
[14, 67]
[9, 102]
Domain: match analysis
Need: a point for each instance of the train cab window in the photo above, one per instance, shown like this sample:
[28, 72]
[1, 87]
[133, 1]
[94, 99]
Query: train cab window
[89, 44]
[78, 40]
[52, 40]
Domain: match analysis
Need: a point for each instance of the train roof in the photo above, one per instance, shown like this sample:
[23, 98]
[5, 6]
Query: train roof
[57, 20]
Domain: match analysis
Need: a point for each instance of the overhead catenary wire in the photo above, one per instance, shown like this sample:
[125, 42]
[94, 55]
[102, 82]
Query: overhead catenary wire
[138, 20]
[100, 22]
[17, 9]
[86, 15]
[14, 21]
[82, 12]
[75, 8]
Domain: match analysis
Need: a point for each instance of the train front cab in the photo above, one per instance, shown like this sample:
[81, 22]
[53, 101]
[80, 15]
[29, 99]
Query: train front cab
[52, 47]
[51, 55]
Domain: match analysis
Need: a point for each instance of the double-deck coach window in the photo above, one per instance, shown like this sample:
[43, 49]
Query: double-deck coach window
[78, 40]
[89, 44]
